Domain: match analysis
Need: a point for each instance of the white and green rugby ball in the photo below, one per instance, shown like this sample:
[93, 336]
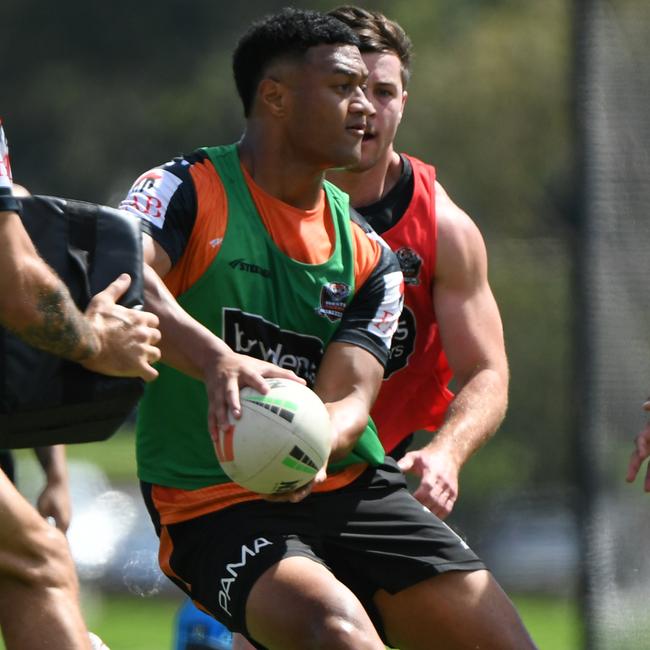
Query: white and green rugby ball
[280, 442]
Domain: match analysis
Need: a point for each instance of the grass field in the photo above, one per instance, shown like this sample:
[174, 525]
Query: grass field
[133, 623]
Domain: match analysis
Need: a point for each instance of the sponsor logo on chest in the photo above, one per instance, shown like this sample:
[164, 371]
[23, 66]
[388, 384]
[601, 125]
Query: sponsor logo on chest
[257, 337]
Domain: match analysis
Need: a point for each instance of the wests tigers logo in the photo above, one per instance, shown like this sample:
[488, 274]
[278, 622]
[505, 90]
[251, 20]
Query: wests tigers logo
[410, 263]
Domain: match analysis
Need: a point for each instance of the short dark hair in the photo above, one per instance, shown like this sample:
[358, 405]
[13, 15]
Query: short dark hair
[286, 34]
[378, 34]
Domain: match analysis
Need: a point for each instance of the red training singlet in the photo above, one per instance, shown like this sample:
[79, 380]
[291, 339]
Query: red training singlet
[415, 393]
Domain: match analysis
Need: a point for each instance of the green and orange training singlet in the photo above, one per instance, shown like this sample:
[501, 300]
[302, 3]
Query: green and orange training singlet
[274, 282]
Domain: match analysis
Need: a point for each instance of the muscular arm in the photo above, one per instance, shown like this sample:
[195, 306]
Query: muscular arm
[472, 337]
[37, 307]
[34, 303]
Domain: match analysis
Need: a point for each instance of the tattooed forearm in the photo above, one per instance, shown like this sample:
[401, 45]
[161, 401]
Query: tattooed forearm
[62, 329]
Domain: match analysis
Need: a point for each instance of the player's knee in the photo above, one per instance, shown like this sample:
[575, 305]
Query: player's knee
[46, 561]
[343, 632]
[58, 568]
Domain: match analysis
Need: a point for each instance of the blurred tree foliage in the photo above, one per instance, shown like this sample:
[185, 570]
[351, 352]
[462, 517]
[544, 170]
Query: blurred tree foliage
[94, 93]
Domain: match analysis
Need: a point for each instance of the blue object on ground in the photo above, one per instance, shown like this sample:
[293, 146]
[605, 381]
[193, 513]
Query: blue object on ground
[196, 630]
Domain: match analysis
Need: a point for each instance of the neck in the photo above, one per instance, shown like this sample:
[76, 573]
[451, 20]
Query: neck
[369, 186]
[274, 166]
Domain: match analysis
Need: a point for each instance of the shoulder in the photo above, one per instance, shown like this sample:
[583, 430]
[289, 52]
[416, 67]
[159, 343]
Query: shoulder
[19, 190]
[372, 253]
[169, 175]
[460, 244]
[363, 232]
[422, 171]
[170, 188]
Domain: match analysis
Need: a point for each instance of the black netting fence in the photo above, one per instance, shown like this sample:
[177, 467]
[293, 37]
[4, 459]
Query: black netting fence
[612, 111]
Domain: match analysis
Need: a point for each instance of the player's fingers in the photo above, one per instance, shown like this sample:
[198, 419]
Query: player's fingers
[147, 372]
[321, 475]
[301, 493]
[144, 323]
[406, 463]
[143, 319]
[292, 497]
[153, 353]
[646, 405]
[633, 467]
[643, 445]
[424, 497]
[436, 508]
[448, 506]
[115, 289]
[155, 335]
[60, 523]
[218, 418]
[442, 511]
[150, 320]
[232, 401]
[253, 379]
[147, 337]
[439, 508]
[282, 373]
[438, 491]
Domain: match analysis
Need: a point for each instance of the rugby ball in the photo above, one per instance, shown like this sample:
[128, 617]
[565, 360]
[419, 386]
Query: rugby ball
[280, 442]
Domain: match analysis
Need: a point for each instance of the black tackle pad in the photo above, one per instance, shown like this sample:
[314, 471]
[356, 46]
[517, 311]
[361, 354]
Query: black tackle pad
[46, 400]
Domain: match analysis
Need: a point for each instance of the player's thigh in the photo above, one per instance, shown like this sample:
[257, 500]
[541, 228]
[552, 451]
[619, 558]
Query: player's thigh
[454, 610]
[298, 603]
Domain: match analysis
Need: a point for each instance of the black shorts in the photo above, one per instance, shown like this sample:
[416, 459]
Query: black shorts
[372, 534]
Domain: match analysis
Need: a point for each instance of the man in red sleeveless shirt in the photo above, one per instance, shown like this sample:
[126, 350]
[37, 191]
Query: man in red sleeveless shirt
[450, 324]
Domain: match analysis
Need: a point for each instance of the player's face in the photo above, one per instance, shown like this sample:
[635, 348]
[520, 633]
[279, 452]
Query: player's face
[329, 109]
[387, 95]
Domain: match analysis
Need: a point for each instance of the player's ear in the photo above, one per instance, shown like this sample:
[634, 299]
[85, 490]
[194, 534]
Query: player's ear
[405, 96]
[272, 94]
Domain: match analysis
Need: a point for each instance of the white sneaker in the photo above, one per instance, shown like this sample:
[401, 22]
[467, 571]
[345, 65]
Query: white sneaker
[97, 643]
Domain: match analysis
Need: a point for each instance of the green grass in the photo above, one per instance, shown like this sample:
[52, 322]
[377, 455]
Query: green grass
[116, 456]
[554, 623]
[132, 623]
